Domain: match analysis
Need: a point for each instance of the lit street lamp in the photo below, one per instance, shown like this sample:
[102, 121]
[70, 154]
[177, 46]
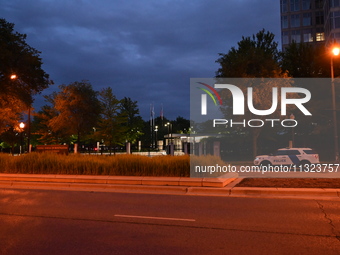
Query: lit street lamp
[170, 144]
[169, 125]
[335, 52]
[156, 138]
[21, 126]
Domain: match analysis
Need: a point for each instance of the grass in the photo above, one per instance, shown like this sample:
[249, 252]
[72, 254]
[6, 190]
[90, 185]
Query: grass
[125, 165]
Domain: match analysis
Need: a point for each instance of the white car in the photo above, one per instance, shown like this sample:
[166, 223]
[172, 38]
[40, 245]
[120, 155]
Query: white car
[289, 156]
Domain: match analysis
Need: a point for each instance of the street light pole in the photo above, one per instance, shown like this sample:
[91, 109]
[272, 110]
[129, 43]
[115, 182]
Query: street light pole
[29, 130]
[170, 144]
[168, 125]
[292, 117]
[156, 138]
[335, 52]
[15, 77]
[22, 126]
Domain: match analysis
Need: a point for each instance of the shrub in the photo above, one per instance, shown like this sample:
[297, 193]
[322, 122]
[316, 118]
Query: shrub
[135, 165]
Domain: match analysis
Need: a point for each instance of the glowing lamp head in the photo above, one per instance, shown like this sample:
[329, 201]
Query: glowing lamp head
[22, 125]
[336, 51]
[13, 76]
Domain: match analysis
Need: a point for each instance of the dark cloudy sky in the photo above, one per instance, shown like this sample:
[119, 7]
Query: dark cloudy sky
[144, 49]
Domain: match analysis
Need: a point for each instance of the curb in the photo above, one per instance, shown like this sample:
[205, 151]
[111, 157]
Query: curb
[123, 180]
[302, 192]
[159, 185]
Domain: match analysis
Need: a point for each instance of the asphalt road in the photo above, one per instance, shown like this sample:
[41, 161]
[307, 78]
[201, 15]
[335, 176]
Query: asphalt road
[71, 222]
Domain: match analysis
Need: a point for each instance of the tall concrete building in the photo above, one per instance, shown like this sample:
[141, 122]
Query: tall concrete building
[332, 21]
[303, 21]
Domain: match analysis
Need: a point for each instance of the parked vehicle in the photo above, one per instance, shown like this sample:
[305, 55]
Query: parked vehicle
[289, 156]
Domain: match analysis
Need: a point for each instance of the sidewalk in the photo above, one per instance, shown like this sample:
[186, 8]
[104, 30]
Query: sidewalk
[224, 187]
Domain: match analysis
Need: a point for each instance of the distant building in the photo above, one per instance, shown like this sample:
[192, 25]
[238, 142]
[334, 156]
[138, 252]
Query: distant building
[332, 21]
[303, 21]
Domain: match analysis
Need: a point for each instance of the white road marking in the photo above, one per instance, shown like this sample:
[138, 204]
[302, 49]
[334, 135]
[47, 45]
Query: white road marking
[150, 217]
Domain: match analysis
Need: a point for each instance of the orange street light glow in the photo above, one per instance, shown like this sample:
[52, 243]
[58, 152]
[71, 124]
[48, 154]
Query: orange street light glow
[13, 76]
[336, 51]
[22, 125]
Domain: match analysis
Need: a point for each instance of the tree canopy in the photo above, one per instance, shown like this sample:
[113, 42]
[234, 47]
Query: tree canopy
[20, 59]
[134, 123]
[78, 109]
[111, 127]
[255, 56]
[21, 75]
[305, 60]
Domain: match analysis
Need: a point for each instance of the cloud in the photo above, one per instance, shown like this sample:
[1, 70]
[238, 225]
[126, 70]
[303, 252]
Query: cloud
[147, 50]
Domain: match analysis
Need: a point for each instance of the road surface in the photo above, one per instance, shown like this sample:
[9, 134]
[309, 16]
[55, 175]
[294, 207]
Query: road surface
[72, 222]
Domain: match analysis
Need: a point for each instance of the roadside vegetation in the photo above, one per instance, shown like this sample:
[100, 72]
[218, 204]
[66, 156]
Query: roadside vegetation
[124, 165]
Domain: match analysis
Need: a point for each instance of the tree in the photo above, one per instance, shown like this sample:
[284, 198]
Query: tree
[12, 136]
[10, 111]
[134, 123]
[305, 60]
[181, 125]
[20, 59]
[42, 128]
[255, 57]
[110, 125]
[78, 110]
[17, 57]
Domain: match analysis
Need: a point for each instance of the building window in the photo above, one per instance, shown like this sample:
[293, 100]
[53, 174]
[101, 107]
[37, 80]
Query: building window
[334, 3]
[320, 35]
[335, 20]
[306, 5]
[319, 4]
[319, 18]
[294, 5]
[295, 20]
[307, 35]
[285, 37]
[307, 19]
[296, 36]
[283, 5]
[284, 21]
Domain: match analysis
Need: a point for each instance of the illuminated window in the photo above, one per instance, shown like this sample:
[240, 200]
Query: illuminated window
[320, 37]
[307, 35]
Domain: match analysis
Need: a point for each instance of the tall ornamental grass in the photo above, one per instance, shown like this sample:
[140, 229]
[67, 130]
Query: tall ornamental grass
[127, 165]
